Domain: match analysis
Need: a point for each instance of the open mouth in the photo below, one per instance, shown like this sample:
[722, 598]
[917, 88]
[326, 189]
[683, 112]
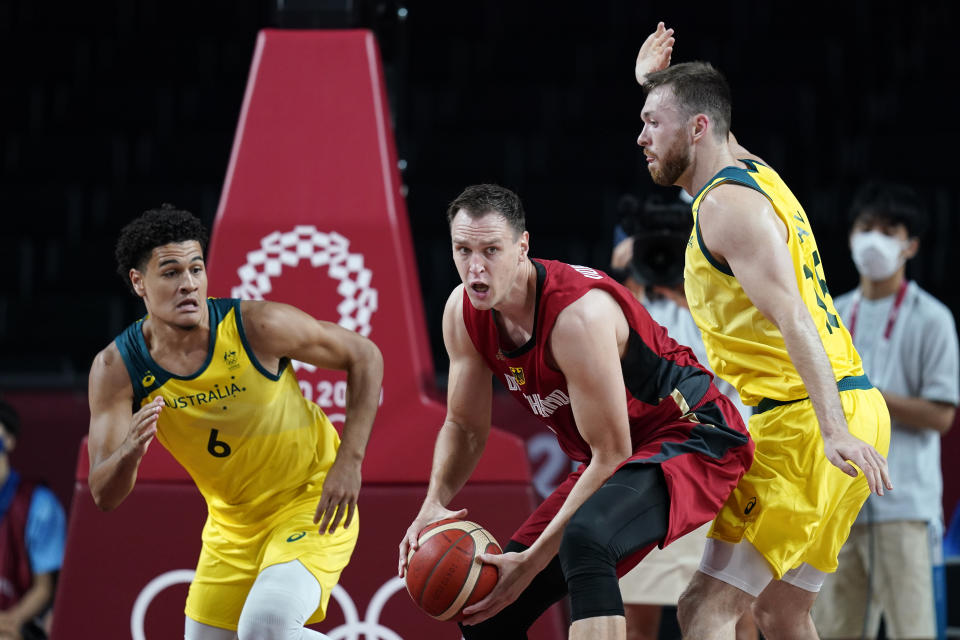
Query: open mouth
[188, 305]
[479, 287]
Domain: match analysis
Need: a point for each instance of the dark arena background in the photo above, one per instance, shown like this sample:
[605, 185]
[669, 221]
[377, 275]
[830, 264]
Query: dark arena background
[114, 107]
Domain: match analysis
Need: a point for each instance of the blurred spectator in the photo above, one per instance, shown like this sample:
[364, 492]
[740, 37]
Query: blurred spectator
[32, 536]
[908, 343]
[648, 258]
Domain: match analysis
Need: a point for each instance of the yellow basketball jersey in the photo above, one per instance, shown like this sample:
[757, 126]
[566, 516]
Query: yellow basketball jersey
[743, 347]
[252, 443]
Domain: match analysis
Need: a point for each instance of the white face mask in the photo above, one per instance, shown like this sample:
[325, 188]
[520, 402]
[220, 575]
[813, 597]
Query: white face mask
[876, 255]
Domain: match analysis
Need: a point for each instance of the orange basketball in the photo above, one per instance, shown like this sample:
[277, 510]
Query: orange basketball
[443, 575]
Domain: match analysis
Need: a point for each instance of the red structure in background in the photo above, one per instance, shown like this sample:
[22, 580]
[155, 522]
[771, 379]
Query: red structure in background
[311, 214]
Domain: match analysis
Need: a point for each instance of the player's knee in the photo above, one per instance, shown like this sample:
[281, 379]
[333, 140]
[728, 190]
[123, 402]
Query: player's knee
[583, 543]
[771, 616]
[589, 566]
[263, 619]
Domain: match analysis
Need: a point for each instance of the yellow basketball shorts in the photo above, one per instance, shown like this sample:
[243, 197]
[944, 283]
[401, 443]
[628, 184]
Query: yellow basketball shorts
[226, 570]
[793, 505]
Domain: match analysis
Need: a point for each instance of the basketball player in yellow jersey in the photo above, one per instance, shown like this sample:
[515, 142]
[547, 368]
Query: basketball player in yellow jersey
[756, 288]
[212, 380]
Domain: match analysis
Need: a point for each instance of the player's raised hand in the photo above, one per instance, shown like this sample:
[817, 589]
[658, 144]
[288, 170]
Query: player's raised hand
[844, 446]
[654, 53]
[341, 490]
[430, 512]
[143, 427]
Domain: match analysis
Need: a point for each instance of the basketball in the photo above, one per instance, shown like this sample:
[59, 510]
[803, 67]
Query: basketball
[443, 575]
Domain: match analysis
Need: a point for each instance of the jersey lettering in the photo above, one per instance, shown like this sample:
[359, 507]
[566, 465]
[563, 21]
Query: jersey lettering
[545, 407]
[818, 279]
[587, 272]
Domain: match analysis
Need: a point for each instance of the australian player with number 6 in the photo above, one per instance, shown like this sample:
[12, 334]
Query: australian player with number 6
[659, 446]
[212, 380]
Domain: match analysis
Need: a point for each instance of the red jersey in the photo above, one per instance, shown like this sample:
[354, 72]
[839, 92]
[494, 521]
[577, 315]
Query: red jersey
[673, 406]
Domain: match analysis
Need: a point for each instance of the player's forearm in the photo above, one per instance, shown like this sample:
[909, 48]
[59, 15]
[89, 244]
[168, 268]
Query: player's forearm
[920, 413]
[112, 479]
[34, 601]
[455, 456]
[810, 360]
[364, 380]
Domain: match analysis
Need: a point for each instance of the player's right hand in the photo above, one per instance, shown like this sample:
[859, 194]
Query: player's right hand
[143, 428]
[841, 448]
[654, 53]
[430, 512]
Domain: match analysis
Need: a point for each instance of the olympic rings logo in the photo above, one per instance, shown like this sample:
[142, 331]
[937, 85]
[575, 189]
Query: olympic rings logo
[351, 629]
[278, 250]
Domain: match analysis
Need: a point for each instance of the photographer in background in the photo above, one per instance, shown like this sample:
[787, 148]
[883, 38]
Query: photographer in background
[648, 259]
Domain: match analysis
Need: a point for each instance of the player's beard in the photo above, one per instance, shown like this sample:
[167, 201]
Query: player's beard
[671, 164]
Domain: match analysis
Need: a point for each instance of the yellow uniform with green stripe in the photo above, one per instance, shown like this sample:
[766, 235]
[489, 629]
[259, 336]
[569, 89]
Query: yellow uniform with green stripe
[258, 451]
[793, 505]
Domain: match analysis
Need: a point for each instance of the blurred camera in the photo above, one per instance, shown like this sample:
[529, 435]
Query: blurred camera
[660, 230]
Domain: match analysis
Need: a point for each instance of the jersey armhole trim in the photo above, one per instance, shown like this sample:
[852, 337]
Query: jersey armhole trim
[735, 176]
[716, 264]
[138, 391]
[238, 317]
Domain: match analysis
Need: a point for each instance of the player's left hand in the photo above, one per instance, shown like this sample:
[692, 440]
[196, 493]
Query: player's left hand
[516, 573]
[654, 53]
[341, 489]
[844, 446]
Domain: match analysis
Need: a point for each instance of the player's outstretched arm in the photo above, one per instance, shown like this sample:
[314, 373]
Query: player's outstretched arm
[463, 436]
[279, 330]
[655, 53]
[739, 227]
[583, 343]
[118, 438]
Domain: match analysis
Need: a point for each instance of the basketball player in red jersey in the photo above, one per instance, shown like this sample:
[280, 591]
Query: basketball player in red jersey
[659, 447]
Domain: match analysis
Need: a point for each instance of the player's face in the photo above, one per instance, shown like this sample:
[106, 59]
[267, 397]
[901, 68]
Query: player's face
[174, 284]
[489, 255]
[664, 138]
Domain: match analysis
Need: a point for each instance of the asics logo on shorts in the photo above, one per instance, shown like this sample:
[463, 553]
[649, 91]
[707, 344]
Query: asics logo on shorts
[750, 506]
[296, 536]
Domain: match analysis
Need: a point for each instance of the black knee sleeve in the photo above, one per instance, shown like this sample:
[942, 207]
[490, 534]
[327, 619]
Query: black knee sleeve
[629, 512]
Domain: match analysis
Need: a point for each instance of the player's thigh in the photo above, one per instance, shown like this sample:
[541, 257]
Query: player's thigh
[324, 556]
[221, 582]
[193, 630]
[629, 512]
[739, 565]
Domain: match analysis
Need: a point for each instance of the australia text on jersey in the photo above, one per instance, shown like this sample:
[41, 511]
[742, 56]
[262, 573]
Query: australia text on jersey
[199, 398]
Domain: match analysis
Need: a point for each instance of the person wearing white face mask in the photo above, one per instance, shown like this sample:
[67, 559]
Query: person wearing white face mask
[908, 342]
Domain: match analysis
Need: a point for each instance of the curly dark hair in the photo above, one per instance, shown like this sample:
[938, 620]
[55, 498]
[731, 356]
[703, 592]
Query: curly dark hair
[481, 199]
[155, 228]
